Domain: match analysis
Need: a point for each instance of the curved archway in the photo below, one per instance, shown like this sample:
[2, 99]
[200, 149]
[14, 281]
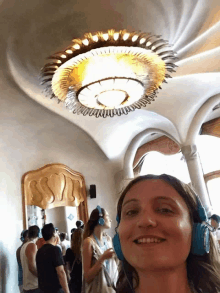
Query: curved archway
[134, 145]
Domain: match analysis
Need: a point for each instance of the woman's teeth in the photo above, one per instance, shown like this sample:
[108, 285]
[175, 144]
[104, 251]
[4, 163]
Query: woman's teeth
[148, 240]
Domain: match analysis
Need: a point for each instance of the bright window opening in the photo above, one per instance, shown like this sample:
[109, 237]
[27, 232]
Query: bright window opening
[157, 163]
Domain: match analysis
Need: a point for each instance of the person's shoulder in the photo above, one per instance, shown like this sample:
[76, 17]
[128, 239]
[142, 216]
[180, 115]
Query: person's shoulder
[57, 249]
[88, 241]
[30, 245]
[40, 240]
[19, 248]
[41, 250]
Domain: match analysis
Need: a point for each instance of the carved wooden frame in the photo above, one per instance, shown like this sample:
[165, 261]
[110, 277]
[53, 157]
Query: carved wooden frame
[54, 185]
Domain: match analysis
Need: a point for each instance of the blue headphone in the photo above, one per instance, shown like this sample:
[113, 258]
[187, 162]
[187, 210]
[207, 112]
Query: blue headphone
[200, 234]
[101, 220]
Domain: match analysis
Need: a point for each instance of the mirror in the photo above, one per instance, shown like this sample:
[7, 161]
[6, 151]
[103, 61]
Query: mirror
[54, 194]
[64, 218]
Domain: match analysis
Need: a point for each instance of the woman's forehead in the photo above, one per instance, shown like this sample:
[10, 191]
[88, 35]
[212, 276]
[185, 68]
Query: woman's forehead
[148, 189]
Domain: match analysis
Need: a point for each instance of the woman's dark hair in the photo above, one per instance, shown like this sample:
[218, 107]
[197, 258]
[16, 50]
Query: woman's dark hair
[48, 231]
[92, 222]
[72, 230]
[33, 231]
[215, 218]
[24, 234]
[202, 271]
[76, 243]
[62, 236]
[80, 224]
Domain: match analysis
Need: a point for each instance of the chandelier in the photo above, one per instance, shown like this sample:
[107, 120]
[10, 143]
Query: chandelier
[107, 74]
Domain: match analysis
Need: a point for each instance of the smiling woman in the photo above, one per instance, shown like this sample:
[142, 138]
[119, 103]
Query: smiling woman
[163, 241]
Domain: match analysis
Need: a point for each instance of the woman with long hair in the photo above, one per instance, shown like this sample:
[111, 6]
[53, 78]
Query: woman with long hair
[74, 262]
[99, 264]
[164, 240]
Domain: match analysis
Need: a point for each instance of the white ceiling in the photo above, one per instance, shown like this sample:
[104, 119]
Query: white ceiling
[32, 30]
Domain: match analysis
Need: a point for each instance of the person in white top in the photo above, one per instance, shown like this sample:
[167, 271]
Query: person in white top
[99, 260]
[215, 221]
[64, 243]
[28, 261]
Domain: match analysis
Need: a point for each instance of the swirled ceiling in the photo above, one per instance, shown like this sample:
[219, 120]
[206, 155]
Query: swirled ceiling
[32, 30]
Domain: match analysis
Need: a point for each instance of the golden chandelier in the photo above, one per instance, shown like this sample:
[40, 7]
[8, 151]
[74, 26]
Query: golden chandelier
[107, 74]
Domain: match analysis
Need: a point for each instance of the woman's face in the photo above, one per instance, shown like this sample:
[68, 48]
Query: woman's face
[155, 228]
[107, 220]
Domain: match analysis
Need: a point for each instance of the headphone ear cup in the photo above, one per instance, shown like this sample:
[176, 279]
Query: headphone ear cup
[200, 239]
[117, 246]
[101, 221]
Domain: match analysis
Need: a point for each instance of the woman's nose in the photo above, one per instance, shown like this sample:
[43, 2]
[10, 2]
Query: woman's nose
[146, 219]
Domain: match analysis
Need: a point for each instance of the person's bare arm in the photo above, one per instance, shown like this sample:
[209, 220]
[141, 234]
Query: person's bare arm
[91, 271]
[109, 239]
[62, 278]
[31, 252]
[18, 255]
[68, 270]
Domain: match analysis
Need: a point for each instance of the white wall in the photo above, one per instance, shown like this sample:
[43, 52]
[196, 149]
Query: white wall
[32, 136]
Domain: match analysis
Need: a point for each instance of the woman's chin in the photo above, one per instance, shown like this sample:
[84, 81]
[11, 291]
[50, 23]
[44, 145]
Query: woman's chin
[157, 263]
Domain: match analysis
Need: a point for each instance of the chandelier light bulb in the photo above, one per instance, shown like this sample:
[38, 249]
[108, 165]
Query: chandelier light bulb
[69, 51]
[142, 41]
[95, 38]
[105, 37]
[126, 36]
[134, 38]
[76, 46]
[85, 42]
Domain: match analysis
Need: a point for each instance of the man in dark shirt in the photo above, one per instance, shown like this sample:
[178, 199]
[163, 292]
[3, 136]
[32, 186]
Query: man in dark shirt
[51, 274]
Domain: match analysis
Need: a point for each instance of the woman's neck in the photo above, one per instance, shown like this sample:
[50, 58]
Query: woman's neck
[32, 240]
[167, 281]
[98, 232]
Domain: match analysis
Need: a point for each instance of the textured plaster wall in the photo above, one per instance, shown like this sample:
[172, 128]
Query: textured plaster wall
[30, 137]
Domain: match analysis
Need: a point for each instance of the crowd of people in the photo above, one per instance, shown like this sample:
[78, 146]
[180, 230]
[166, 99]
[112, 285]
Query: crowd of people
[164, 242]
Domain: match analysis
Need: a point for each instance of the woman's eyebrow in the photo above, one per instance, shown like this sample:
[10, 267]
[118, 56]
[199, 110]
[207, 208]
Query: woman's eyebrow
[156, 198]
[132, 199]
[165, 198]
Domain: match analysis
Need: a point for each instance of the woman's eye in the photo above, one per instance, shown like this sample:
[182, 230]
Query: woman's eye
[165, 210]
[131, 212]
